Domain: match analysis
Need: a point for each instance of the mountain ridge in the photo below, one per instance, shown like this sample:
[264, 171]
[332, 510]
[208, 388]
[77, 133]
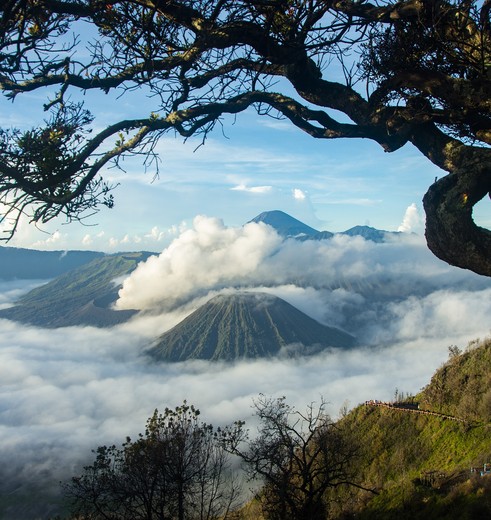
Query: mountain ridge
[29, 264]
[82, 296]
[284, 224]
[290, 227]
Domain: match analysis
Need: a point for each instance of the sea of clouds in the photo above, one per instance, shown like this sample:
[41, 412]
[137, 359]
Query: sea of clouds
[66, 391]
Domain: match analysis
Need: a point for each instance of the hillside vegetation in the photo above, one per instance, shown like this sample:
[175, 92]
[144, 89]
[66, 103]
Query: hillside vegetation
[421, 457]
[427, 466]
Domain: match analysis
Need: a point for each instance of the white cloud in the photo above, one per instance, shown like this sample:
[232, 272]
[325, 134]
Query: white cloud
[156, 234]
[354, 201]
[12, 290]
[252, 189]
[202, 257]
[276, 124]
[299, 194]
[58, 403]
[411, 221]
[194, 165]
[151, 240]
[55, 239]
[211, 257]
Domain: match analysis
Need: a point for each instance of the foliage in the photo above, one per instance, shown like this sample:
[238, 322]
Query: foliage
[177, 469]
[420, 464]
[297, 457]
[462, 386]
[413, 71]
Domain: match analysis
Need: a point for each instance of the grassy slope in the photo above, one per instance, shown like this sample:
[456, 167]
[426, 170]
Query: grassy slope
[420, 464]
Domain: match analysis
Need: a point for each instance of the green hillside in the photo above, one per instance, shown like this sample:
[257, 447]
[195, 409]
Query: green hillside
[80, 297]
[419, 464]
[246, 325]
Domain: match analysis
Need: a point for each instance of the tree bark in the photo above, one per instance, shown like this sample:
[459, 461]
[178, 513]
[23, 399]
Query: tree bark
[451, 232]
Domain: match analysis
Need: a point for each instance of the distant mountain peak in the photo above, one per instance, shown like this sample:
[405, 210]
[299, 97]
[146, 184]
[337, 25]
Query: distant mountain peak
[246, 325]
[368, 233]
[289, 227]
[284, 224]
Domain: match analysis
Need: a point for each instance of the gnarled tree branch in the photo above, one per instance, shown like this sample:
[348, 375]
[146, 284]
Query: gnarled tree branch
[415, 71]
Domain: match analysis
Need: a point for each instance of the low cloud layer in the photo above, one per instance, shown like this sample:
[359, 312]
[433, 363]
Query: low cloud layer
[66, 391]
[12, 290]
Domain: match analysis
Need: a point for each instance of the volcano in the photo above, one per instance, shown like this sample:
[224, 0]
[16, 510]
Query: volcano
[246, 325]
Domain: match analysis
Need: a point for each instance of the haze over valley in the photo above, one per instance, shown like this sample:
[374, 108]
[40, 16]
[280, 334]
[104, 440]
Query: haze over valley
[67, 389]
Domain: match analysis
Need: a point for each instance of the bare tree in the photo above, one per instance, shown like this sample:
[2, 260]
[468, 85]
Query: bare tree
[414, 71]
[177, 470]
[297, 457]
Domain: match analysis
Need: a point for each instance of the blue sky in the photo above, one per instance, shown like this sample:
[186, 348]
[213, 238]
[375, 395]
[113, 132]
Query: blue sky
[255, 164]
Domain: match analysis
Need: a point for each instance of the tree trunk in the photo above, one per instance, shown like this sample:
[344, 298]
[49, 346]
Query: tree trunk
[451, 233]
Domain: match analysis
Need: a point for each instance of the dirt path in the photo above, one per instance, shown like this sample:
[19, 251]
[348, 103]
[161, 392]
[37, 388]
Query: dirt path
[411, 408]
